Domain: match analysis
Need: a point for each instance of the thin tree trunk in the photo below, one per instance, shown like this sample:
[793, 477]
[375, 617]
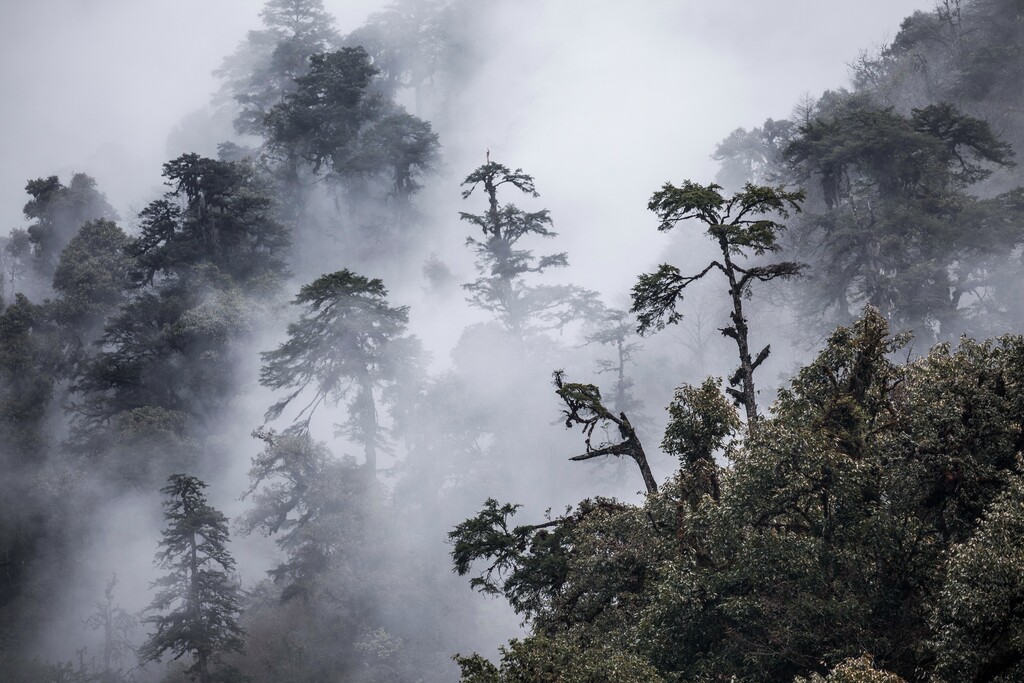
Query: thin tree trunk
[204, 673]
[368, 419]
[740, 334]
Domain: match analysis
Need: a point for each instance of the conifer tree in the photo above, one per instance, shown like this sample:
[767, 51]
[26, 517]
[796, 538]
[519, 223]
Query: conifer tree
[197, 600]
[347, 343]
[741, 227]
[262, 71]
[502, 266]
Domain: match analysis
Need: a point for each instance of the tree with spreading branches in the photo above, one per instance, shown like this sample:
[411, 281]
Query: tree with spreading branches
[348, 342]
[501, 287]
[742, 227]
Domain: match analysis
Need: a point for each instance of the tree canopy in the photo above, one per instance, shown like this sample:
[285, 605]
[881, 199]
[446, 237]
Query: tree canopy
[848, 523]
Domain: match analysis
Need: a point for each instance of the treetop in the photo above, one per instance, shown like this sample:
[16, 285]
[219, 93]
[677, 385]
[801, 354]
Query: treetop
[493, 175]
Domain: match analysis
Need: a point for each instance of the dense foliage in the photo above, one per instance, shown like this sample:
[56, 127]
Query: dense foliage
[847, 523]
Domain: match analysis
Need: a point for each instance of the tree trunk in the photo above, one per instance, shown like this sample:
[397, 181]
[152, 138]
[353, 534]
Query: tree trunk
[748, 395]
[204, 668]
[194, 608]
[368, 422]
[620, 386]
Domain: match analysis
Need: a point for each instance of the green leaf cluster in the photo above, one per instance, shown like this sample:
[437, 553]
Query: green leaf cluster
[864, 532]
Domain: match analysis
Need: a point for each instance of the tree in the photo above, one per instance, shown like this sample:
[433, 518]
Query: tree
[409, 42]
[330, 586]
[741, 228]
[891, 199]
[753, 156]
[501, 288]
[615, 328]
[58, 211]
[198, 597]
[166, 364]
[398, 145]
[313, 506]
[319, 123]
[347, 343]
[584, 408]
[92, 275]
[217, 213]
[262, 71]
[701, 421]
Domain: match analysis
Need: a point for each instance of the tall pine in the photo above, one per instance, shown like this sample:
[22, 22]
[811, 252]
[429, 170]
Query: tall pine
[197, 599]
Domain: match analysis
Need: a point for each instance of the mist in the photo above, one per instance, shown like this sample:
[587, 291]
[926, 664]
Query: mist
[434, 402]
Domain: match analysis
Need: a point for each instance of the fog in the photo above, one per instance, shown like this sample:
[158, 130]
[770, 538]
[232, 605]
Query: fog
[599, 101]
[587, 96]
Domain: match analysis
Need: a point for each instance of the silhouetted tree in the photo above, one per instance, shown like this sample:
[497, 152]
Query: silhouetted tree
[320, 122]
[217, 213]
[501, 288]
[584, 408]
[741, 228]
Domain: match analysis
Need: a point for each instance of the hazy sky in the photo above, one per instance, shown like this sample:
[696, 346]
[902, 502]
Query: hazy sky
[596, 93]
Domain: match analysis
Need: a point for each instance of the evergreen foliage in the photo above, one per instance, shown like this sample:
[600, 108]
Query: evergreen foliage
[347, 343]
[741, 227]
[501, 287]
[217, 213]
[864, 528]
[197, 599]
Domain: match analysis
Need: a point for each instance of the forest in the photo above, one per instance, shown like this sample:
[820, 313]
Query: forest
[336, 404]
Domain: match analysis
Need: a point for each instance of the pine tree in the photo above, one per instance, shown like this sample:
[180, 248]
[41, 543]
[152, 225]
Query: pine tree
[502, 265]
[742, 228]
[197, 598]
[347, 343]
